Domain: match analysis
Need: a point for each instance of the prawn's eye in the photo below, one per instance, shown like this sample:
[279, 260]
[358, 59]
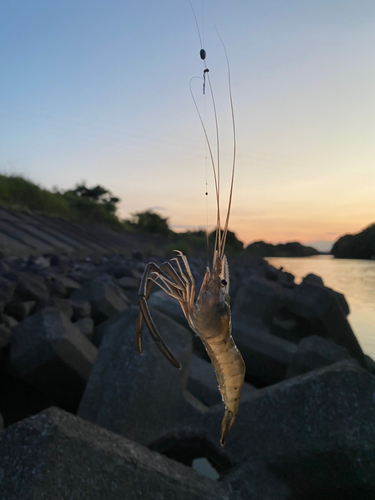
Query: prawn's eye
[224, 282]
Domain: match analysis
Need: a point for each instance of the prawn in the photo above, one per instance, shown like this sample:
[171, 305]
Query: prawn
[209, 316]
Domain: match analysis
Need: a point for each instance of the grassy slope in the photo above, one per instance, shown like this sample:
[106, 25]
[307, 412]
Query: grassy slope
[20, 194]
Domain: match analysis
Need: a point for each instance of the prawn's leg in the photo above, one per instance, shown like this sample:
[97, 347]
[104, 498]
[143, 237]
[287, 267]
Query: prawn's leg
[175, 290]
[146, 287]
[139, 324]
[190, 283]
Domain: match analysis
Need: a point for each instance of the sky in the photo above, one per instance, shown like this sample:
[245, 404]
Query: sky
[98, 91]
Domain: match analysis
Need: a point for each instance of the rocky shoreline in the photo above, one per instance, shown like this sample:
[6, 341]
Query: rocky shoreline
[356, 246]
[85, 416]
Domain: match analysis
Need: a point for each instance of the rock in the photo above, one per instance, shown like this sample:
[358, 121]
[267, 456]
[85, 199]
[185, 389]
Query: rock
[61, 285]
[314, 432]
[57, 455]
[84, 272]
[203, 385]
[313, 279]
[266, 356]
[5, 336]
[9, 321]
[105, 300]
[43, 262]
[283, 278]
[54, 260]
[253, 480]
[63, 305]
[31, 286]
[102, 329]
[7, 289]
[321, 306]
[81, 309]
[257, 298]
[4, 266]
[86, 327]
[19, 310]
[137, 256]
[315, 352]
[51, 354]
[370, 364]
[129, 283]
[140, 397]
[168, 306]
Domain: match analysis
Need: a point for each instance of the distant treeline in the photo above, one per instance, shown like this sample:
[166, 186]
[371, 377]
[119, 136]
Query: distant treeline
[292, 249]
[98, 205]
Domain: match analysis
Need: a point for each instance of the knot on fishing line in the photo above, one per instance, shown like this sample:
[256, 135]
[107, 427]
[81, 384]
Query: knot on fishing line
[202, 53]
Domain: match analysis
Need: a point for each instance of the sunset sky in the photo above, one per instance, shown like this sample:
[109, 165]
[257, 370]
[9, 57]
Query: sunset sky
[98, 91]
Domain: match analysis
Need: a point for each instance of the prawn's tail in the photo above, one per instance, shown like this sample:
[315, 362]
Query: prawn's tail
[226, 425]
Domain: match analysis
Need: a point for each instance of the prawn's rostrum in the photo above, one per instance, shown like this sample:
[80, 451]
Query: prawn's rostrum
[209, 315]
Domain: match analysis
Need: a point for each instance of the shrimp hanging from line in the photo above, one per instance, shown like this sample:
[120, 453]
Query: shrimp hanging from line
[209, 315]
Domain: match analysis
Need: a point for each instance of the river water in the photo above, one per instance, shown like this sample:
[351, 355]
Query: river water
[354, 278]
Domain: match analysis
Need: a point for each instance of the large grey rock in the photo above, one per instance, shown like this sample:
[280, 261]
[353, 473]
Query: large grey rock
[140, 397]
[105, 299]
[19, 310]
[101, 330]
[63, 305]
[259, 297]
[266, 356]
[81, 309]
[314, 432]
[86, 327]
[313, 279]
[253, 480]
[168, 306]
[370, 364]
[50, 353]
[55, 455]
[9, 321]
[315, 352]
[31, 286]
[5, 336]
[324, 311]
[7, 289]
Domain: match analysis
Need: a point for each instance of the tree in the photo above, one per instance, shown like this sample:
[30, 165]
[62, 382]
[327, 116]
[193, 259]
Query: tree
[150, 222]
[97, 194]
[232, 245]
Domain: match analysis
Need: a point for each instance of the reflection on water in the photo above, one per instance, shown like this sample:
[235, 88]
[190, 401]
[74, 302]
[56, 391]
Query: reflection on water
[354, 278]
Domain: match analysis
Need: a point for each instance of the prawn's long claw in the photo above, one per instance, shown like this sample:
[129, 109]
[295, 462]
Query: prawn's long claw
[145, 312]
[138, 332]
[226, 425]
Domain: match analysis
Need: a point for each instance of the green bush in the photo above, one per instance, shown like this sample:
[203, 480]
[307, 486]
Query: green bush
[19, 193]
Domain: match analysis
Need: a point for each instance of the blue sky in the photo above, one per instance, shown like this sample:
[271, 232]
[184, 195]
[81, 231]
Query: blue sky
[99, 91]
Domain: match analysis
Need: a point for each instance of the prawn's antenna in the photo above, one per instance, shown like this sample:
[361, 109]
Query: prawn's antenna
[234, 150]
[218, 236]
[207, 139]
[196, 22]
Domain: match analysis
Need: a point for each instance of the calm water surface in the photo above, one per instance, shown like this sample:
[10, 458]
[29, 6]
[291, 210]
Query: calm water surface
[354, 278]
